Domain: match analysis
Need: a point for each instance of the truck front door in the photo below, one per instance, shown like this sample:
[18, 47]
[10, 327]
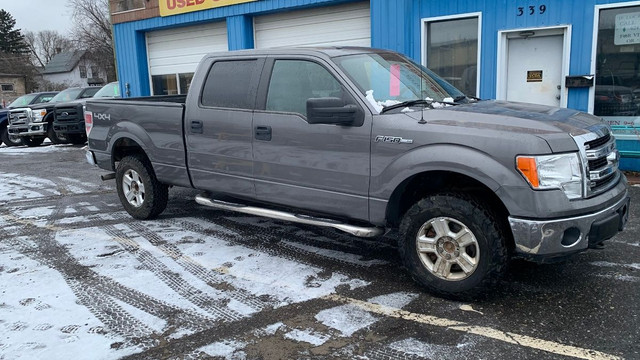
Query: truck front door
[319, 167]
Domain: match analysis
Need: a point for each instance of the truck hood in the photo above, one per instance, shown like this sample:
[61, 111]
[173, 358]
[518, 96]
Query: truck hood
[553, 124]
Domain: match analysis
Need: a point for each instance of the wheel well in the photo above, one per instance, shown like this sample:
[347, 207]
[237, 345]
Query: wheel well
[424, 184]
[125, 147]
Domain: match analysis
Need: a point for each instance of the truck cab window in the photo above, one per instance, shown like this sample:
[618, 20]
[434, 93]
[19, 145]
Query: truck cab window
[295, 81]
[228, 85]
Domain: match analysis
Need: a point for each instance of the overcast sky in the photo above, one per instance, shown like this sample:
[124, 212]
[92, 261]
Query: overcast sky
[36, 15]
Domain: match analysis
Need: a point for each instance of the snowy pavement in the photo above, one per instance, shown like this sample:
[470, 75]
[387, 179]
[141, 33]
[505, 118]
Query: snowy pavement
[79, 278]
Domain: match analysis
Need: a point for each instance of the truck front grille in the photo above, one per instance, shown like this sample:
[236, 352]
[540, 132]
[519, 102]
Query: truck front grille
[18, 117]
[67, 114]
[601, 164]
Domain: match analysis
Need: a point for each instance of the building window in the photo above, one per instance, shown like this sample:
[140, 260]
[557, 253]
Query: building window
[95, 73]
[164, 84]
[7, 87]
[126, 5]
[83, 71]
[185, 82]
[617, 89]
[451, 50]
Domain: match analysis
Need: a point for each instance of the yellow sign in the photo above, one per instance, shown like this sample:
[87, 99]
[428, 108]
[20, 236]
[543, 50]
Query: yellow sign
[174, 7]
[534, 76]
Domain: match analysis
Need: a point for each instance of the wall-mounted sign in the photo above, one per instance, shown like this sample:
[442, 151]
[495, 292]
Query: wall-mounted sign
[627, 29]
[174, 7]
[534, 76]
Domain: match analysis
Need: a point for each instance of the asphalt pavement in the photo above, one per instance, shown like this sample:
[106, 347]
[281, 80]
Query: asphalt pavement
[80, 278]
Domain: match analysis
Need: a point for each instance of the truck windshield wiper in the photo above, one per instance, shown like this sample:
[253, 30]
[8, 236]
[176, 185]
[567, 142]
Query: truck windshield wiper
[406, 103]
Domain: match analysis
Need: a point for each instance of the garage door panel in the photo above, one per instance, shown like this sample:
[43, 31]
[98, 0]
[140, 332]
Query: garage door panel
[180, 50]
[348, 24]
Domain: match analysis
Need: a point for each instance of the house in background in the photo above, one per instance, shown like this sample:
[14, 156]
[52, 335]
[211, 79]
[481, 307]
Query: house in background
[73, 68]
[11, 87]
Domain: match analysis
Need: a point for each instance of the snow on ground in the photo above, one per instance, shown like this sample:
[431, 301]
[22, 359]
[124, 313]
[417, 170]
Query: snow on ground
[40, 318]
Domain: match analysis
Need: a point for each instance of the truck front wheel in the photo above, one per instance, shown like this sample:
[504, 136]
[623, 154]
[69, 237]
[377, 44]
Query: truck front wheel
[56, 138]
[453, 245]
[140, 192]
[9, 140]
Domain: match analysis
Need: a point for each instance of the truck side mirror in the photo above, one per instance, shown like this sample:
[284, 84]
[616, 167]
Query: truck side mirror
[330, 110]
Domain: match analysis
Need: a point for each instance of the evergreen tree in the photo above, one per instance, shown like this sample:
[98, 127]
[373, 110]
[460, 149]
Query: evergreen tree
[11, 40]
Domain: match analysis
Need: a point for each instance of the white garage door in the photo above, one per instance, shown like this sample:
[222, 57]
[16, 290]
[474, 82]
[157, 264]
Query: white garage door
[179, 50]
[174, 54]
[344, 25]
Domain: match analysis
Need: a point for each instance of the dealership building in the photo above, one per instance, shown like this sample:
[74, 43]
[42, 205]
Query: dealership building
[581, 54]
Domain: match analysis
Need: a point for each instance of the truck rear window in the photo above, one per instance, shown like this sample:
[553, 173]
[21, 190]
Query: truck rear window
[228, 85]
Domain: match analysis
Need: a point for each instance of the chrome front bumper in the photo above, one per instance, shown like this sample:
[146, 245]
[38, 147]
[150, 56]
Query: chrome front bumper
[33, 129]
[549, 238]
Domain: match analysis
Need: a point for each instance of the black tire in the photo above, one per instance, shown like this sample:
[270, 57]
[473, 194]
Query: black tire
[77, 139]
[32, 142]
[150, 199]
[460, 268]
[9, 140]
[56, 138]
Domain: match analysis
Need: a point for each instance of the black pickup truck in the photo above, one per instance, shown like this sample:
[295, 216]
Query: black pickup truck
[68, 117]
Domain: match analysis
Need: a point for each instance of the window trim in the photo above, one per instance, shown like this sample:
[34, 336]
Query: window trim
[594, 43]
[13, 87]
[255, 78]
[423, 40]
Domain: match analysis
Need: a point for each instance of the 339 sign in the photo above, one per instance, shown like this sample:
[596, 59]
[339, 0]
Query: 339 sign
[531, 10]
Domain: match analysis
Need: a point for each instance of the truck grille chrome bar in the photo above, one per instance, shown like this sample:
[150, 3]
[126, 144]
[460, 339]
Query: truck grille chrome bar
[600, 160]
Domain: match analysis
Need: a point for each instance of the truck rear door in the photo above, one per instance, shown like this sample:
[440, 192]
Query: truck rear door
[218, 125]
[320, 167]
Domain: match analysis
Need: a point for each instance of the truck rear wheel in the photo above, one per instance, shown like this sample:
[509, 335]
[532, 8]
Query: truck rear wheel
[9, 140]
[453, 245]
[140, 192]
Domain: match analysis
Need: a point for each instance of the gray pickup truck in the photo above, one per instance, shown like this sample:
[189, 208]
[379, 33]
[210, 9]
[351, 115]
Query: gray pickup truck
[366, 141]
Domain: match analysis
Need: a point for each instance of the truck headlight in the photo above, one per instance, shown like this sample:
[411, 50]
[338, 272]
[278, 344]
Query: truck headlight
[38, 115]
[557, 171]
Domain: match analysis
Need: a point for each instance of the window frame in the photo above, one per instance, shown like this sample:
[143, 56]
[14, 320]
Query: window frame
[144, 6]
[345, 82]
[594, 43]
[423, 40]
[13, 88]
[254, 82]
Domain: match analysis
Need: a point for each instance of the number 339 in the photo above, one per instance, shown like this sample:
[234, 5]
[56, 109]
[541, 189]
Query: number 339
[532, 10]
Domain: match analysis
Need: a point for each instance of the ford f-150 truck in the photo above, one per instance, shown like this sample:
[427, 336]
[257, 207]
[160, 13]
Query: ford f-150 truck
[367, 141]
[68, 117]
[33, 123]
[22, 101]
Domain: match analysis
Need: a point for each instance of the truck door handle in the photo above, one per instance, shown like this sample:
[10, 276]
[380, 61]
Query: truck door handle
[263, 133]
[196, 126]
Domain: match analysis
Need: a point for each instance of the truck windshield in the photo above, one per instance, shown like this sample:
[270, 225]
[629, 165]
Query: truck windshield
[23, 100]
[109, 90]
[388, 79]
[67, 95]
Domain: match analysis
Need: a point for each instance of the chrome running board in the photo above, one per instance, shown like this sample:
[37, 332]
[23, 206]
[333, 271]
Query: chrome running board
[281, 215]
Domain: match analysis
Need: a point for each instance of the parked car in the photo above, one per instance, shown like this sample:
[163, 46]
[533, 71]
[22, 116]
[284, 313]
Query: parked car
[68, 118]
[366, 141]
[22, 101]
[33, 123]
[613, 98]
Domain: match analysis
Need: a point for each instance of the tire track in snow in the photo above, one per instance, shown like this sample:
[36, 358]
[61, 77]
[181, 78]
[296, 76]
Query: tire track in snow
[207, 275]
[175, 281]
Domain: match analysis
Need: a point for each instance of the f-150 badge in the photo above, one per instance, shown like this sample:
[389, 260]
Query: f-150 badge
[393, 139]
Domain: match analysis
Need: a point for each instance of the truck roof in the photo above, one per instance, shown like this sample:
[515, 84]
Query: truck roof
[321, 51]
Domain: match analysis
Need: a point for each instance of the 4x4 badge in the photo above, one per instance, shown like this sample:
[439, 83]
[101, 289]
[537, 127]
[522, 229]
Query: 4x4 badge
[393, 139]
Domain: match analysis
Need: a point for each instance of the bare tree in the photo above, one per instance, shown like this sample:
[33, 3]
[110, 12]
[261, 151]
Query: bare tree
[92, 31]
[46, 44]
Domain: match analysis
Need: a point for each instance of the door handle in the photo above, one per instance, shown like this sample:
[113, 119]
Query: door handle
[196, 126]
[263, 133]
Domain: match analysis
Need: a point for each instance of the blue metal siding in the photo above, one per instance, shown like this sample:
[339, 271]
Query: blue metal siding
[396, 25]
[130, 43]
